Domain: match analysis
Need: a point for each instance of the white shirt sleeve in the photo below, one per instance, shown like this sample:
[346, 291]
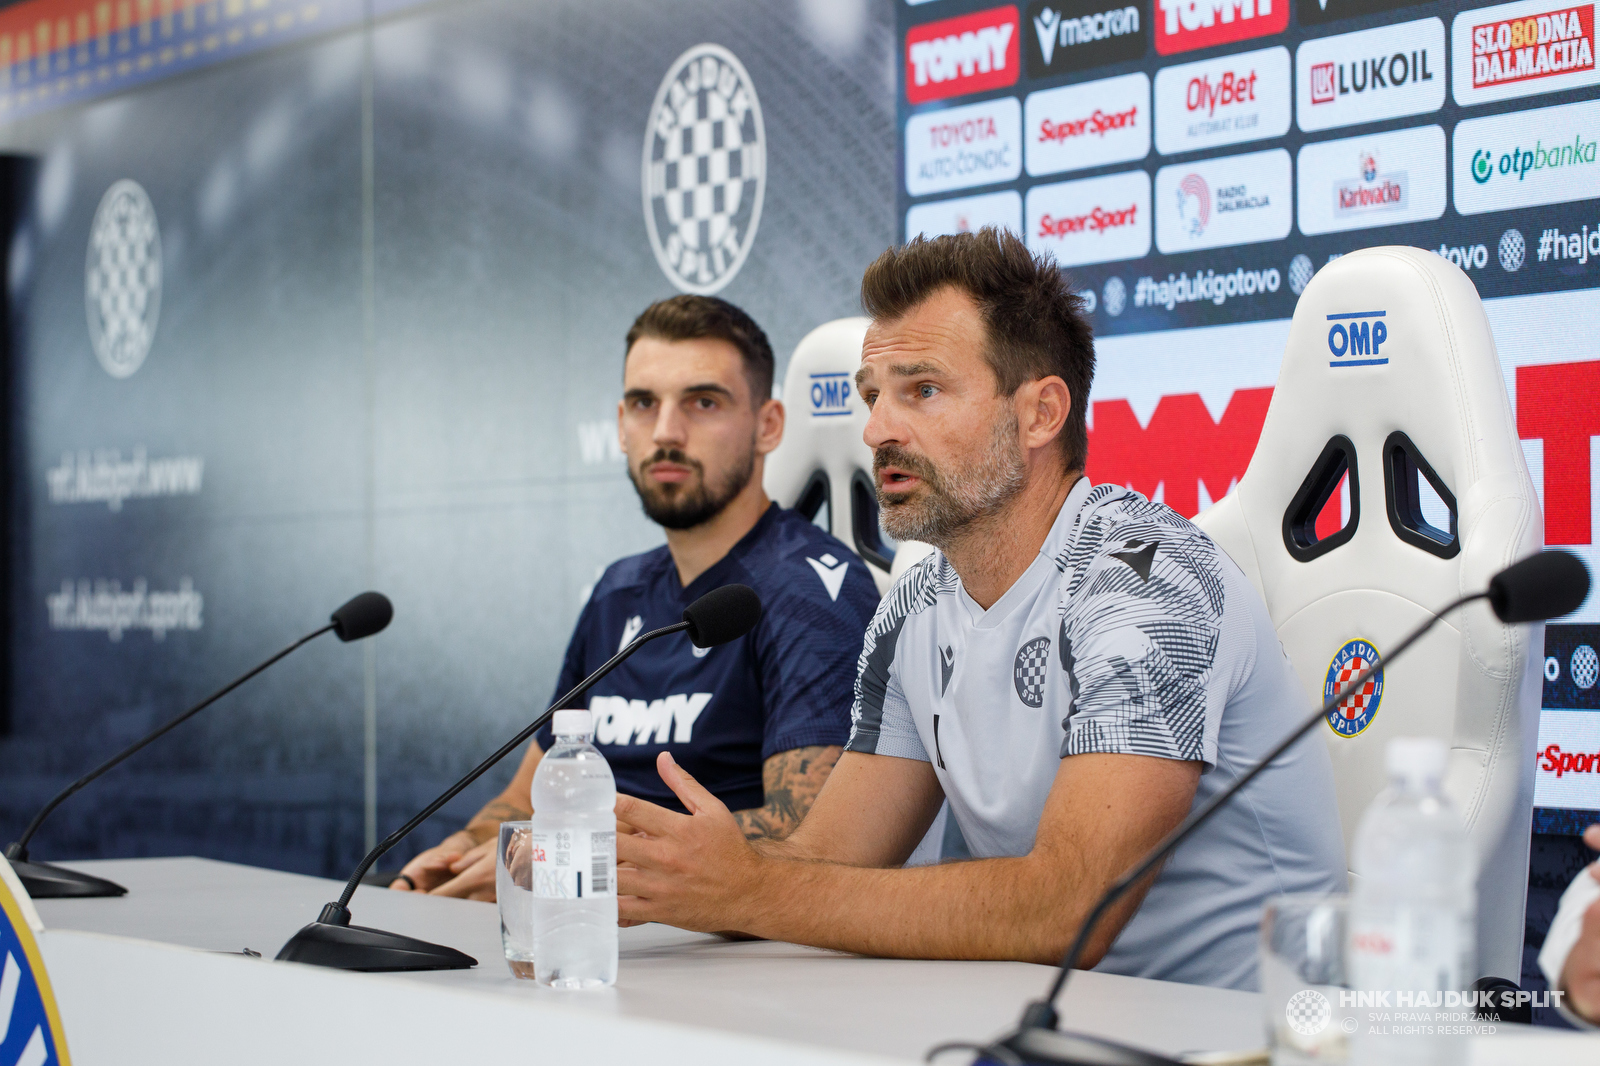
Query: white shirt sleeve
[1564, 930]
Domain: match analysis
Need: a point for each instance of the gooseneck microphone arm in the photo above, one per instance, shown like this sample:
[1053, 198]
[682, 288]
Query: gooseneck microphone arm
[19, 850]
[339, 913]
[1041, 1014]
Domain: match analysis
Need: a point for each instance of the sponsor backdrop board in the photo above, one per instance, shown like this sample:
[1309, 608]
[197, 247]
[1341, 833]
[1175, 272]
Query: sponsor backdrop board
[347, 312]
[1278, 135]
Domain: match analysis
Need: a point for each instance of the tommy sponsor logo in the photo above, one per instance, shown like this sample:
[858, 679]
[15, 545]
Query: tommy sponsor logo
[619, 720]
[1232, 200]
[1184, 25]
[976, 144]
[831, 571]
[1096, 220]
[1088, 125]
[1079, 34]
[1379, 180]
[1223, 101]
[1360, 336]
[1371, 75]
[830, 394]
[1312, 12]
[1519, 49]
[966, 214]
[968, 54]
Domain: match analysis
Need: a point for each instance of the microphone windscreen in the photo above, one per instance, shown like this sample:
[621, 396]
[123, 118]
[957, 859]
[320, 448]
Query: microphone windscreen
[363, 616]
[723, 614]
[1547, 585]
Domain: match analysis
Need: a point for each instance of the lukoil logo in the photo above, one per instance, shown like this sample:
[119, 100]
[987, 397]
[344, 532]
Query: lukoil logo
[1359, 335]
[1371, 75]
[967, 54]
[1222, 101]
[830, 394]
[1068, 35]
[1521, 49]
[1188, 24]
[1089, 124]
[959, 147]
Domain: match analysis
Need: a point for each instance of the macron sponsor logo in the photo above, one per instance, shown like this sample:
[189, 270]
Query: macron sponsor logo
[619, 720]
[630, 629]
[831, 571]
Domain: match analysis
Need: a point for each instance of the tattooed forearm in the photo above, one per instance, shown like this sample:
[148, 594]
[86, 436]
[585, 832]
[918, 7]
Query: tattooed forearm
[791, 781]
[486, 823]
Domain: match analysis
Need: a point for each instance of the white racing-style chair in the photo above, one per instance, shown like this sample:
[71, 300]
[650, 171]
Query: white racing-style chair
[1391, 378]
[823, 468]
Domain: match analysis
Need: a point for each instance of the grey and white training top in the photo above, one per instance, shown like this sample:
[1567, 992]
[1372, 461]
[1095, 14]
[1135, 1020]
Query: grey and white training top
[1131, 633]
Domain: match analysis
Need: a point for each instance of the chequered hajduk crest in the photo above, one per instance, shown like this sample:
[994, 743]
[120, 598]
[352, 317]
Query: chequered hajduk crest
[1028, 672]
[704, 169]
[122, 279]
[1308, 1012]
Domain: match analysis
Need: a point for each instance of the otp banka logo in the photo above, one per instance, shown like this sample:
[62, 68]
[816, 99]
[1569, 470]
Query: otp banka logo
[1356, 339]
[830, 394]
[1518, 162]
[704, 169]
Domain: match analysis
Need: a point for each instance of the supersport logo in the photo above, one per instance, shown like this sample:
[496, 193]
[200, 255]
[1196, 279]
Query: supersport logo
[1097, 221]
[1098, 124]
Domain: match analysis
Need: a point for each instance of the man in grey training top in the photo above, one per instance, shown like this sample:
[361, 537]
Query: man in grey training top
[1075, 670]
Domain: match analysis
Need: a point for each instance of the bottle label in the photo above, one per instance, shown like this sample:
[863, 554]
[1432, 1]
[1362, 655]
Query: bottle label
[1412, 949]
[573, 864]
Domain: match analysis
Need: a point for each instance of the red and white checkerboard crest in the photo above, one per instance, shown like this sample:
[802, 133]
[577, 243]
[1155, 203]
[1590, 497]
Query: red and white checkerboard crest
[1356, 711]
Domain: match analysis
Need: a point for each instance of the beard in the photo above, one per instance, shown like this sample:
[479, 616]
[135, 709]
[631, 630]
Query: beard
[691, 503]
[949, 502]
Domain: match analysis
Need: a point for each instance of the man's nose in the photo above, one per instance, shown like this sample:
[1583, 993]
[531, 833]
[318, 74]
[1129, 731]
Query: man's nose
[671, 427]
[884, 425]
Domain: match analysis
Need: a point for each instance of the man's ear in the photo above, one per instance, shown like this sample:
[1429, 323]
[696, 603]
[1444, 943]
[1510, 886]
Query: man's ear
[770, 419]
[622, 442]
[1042, 408]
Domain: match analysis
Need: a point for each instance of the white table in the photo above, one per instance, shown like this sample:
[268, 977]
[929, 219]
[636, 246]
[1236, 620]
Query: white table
[679, 997]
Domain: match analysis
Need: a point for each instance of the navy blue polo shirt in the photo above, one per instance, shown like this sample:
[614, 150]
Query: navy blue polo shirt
[723, 711]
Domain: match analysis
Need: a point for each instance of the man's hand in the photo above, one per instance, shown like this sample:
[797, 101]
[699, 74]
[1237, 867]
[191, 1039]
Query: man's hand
[457, 867]
[1580, 977]
[694, 869]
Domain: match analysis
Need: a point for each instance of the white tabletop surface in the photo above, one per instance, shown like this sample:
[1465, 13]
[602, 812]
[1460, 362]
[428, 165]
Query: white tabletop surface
[896, 1008]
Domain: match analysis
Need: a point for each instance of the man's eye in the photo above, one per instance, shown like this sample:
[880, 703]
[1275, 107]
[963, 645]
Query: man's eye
[706, 403]
[927, 391]
[869, 398]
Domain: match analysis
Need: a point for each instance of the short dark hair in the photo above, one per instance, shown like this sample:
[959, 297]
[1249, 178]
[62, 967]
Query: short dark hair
[688, 317]
[1036, 324]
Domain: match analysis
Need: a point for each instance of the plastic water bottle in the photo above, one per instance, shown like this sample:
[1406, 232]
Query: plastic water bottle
[574, 862]
[1413, 915]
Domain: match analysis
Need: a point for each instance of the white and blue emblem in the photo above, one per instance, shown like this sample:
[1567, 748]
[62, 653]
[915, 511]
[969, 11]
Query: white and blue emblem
[1356, 711]
[30, 1025]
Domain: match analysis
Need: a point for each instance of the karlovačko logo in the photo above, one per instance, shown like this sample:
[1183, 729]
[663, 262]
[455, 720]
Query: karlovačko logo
[1356, 711]
[1373, 191]
[968, 54]
[704, 169]
[1315, 12]
[1184, 25]
[1360, 336]
[1068, 35]
[1554, 42]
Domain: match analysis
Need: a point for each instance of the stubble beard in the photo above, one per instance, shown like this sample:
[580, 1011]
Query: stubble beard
[691, 503]
[946, 506]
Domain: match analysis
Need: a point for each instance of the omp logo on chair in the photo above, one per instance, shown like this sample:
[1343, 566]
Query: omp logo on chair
[30, 1025]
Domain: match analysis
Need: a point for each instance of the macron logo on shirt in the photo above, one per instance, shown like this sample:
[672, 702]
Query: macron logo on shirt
[831, 571]
[619, 720]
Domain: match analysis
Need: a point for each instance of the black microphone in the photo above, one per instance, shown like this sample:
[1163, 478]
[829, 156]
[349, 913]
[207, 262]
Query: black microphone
[1546, 585]
[721, 615]
[363, 616]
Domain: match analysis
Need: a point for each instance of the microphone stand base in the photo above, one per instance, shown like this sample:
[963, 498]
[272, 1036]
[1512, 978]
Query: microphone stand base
[356, 947]
[1051, 1047]
[44, 881]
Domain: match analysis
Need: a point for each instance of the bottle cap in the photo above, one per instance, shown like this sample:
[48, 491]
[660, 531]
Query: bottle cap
[572, 723]
[1418, 761]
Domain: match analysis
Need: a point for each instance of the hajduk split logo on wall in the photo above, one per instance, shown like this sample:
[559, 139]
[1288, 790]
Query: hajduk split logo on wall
[122, 278]
[30, 1024]
[704, 169]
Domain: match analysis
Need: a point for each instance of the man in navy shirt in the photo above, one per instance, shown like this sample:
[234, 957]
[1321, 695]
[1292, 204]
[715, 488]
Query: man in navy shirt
[760, 721]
